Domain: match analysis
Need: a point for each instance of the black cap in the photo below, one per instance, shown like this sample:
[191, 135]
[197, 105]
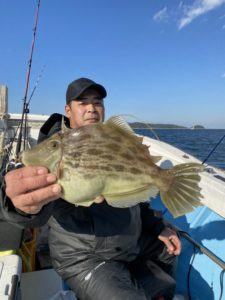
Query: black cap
[78, 86]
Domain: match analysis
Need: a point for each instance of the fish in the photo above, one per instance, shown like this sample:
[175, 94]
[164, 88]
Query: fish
[109, 159]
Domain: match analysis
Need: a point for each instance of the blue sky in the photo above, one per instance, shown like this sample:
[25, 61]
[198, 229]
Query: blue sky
[161, 61]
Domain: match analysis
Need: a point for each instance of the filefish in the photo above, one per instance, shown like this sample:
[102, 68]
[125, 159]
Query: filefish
[109, 159]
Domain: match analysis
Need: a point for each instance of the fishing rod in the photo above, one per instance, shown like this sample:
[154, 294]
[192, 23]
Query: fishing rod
[28, 102]
[7, 151]
[25, 110]
[214, 148]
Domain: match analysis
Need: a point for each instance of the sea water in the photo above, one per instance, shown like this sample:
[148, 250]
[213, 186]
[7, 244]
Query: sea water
[198, 143]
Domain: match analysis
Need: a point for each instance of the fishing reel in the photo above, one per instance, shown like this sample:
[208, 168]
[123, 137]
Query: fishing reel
[11, 165]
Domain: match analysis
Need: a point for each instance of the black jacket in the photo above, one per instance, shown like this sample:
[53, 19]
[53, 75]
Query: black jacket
[81, 237]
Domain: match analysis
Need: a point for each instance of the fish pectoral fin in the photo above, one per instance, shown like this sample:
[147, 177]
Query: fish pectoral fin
[128, 199]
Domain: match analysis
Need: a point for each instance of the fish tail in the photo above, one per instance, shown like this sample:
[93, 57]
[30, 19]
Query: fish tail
[184, 192]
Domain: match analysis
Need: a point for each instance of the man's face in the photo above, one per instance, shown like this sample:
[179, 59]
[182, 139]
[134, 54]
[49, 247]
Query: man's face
[87, 109]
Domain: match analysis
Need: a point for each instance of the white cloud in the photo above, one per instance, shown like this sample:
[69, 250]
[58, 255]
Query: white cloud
[223, 75]
[198, 8]
[161, 15]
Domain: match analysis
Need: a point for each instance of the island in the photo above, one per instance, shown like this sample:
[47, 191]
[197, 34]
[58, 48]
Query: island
[140, 125]
[197, 127]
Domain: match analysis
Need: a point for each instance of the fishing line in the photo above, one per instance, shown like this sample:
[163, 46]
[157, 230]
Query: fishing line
[189, 272]
[213, 150]
[140, 120]
[184, 233]
[36, 84]
[221, 284]
[25, 110]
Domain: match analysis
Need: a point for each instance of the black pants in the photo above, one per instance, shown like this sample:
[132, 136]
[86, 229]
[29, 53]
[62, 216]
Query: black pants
[141, 279]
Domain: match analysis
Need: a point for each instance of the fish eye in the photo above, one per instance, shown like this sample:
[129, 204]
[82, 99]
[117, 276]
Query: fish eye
[54, 144]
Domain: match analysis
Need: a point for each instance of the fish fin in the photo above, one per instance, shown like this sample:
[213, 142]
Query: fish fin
[63, 124]
[119, 123]
[64, 129]
[131, 198]
[184, 192]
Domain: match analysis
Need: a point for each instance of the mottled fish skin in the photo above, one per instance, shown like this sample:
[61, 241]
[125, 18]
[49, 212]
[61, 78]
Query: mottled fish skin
[109, 159]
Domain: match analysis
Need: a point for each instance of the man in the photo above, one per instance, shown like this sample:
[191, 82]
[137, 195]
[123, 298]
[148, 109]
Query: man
[103, 252]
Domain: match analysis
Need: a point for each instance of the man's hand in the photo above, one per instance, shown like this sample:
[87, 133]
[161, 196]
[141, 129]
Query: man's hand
[170, 239]
[30, 188]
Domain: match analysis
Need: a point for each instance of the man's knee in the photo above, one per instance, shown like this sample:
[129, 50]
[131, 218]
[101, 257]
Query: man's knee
[112, 281]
